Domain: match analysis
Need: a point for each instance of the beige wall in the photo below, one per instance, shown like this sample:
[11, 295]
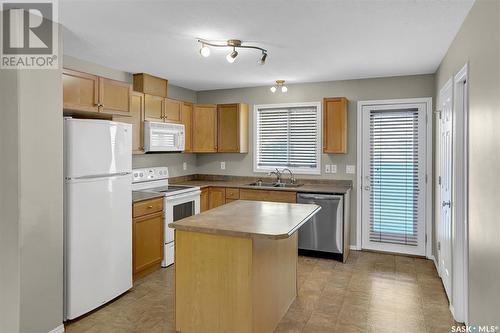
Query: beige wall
[478, 43]
[354, 90]
[172, 160]
[31, 235]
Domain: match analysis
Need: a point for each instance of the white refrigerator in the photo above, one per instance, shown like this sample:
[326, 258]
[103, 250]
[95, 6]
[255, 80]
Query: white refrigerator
[98, 213]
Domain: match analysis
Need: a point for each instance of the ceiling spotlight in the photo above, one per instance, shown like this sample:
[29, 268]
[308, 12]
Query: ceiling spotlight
[279, 84]
[204, 50]
[235, 44]
[262, 60]
[231, 57]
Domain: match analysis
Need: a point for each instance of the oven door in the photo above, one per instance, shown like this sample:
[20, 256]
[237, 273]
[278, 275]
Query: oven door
[178, 207]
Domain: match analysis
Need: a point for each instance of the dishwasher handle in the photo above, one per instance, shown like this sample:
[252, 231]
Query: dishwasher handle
[314, 196]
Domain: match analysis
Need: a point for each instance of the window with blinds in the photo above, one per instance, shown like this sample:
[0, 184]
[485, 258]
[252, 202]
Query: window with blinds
[288, 137]
[394, 176]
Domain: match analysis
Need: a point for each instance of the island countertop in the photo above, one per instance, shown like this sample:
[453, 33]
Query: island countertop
[242, 218]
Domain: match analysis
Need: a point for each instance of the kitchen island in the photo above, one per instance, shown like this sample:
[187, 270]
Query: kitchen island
[236, 266]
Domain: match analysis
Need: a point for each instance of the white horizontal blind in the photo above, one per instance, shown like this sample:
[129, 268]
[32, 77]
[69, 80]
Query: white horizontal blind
[394, 176]
[287, 137]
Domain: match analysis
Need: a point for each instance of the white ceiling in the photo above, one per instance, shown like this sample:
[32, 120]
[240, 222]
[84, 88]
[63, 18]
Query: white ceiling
[308, 40]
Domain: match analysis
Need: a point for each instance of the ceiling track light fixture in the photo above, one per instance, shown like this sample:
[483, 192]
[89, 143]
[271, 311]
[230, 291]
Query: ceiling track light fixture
[280, 84]
[234, 44]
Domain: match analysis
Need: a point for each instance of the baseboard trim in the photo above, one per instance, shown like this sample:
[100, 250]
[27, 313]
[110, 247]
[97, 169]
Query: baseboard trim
[354, 247]
[58, 329]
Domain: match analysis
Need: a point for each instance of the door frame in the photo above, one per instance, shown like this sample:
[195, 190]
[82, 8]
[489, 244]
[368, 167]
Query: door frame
[428, 166]
[460, 198]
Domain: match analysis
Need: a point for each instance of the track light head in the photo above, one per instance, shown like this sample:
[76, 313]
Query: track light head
[273, 89]
[204, 50]
[231, 57]
[262, 60]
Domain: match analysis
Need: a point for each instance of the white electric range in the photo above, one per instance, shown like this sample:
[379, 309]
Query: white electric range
[179, 202]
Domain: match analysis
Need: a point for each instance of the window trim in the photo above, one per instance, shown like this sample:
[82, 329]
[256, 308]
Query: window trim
[319, 128]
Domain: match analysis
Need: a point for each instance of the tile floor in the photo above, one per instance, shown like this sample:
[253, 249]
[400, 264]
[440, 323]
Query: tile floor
[370, 293]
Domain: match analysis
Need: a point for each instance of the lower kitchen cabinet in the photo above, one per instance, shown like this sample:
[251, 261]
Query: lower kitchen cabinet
[147, 237]
[216, 197]
[268, 195]
[204, 200]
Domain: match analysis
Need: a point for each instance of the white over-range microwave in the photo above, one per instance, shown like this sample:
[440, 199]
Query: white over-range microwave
[163, 137]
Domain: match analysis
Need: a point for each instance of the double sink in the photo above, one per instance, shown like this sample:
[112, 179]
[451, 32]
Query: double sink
[275, 184]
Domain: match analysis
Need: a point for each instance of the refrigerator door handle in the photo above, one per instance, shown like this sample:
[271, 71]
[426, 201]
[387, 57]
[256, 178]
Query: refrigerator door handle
[107, 175]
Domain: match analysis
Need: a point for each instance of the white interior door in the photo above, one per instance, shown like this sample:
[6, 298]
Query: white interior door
[445, 172]
[393, 177]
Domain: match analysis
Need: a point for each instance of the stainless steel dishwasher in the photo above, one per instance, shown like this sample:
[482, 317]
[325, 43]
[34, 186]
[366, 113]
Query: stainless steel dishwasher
[323, 234]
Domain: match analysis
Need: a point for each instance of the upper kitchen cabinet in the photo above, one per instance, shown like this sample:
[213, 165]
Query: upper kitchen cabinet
[80, 91]
[205, 128]
[153, 108]
[136, 118]
[187, 121]
[172, 110]
[114, 96]
[335, 125]
[150, 85]
[91, 93]
[232, 131]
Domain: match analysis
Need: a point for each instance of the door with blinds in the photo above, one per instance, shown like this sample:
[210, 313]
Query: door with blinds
[393, 178]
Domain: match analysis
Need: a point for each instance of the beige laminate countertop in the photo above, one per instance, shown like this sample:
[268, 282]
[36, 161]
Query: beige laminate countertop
[306, 188]
[242, 218]
[143, 195]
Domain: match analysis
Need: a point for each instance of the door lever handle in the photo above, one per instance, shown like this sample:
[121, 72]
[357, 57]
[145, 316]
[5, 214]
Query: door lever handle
[447, 203]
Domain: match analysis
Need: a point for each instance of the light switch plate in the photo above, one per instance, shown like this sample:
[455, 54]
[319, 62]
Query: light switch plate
[223, 165]
[184, 166]
[333, 168]
[327, 168]
[350, 168]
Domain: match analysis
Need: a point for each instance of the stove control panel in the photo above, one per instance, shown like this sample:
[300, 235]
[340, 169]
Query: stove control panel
[149, 174]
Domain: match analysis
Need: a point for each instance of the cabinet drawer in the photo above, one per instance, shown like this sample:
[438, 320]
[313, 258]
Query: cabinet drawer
[265, 195]
[147, 207]
[232, 193]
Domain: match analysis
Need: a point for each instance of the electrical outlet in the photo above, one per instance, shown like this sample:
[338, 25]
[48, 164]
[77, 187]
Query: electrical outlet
[184, 166]
[223, 165]
[333, 168]
[327, 168]
[350, 168]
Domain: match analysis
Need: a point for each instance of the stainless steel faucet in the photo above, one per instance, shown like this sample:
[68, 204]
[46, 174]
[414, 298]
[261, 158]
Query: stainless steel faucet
[277, 173]
[292, 178]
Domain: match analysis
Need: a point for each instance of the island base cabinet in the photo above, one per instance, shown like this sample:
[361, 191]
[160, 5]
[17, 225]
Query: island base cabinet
[233, 284]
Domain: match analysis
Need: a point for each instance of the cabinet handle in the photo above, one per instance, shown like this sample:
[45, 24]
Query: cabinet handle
[151, 206]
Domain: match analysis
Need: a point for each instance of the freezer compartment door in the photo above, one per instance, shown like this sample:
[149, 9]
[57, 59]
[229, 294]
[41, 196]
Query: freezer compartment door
[324, 231]
[98, 242]
[96, 147]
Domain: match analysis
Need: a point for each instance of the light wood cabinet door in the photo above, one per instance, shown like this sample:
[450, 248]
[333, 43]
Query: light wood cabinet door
[204, 128]
[153, 108]
[80, 91]
[114, 96]
[216, 197]
[172, 110]
[204, 200]
[232, 128]
[136, 119]
[150, 85]
[187, 120]
[335, 125]
[147, 243]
